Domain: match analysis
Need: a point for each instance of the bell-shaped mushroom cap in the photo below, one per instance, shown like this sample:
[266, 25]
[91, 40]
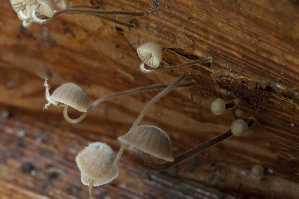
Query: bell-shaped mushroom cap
[95, 161]
[149, 139]
[72, 95]
[111, 176]
[45, 7]
[239, 127]
[218, 107]
[152, 49]
[62, 4]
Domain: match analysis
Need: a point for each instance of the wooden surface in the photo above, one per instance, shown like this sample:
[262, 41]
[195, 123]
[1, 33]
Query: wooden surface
[254, 45]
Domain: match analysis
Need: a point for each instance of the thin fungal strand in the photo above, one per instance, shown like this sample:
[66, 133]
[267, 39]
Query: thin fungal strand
[47, 95]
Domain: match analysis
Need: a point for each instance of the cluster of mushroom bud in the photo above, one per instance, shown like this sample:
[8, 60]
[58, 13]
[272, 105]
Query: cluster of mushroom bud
[43, 11]
[238, 127]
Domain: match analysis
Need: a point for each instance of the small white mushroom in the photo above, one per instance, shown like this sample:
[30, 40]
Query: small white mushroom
[151, 54]
[68, 94]
[97, 166]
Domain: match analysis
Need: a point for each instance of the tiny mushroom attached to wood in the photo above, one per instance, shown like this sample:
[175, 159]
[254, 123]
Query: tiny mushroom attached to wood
[96, 163]
[151, 54]
[219, 106]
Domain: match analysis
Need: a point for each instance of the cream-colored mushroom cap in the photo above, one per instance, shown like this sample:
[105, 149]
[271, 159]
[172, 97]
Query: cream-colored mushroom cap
[95, 161]
[62, 4]
[218, 107]
[45, 7]
[111, 176]
[154, 51]
[25, 7]
[149, 139]
[239, 127]
[72, 95]
[257, 171]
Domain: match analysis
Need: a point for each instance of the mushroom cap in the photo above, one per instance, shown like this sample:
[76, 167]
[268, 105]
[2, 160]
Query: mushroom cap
[111, 176]
[45, 7]
[72, 95]
[152, 49]
[239, 127]
[62, 4]
[218, 107]
[239, 112]
[20, 5]
[96, 160]
[149, 139]
[257, 171]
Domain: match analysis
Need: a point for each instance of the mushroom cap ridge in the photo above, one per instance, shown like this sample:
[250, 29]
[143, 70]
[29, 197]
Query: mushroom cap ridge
[149, 139]
[72, 95]
[153, 49]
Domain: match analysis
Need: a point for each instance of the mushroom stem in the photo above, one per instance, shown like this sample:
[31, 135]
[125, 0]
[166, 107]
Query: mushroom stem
[199, 61]
[187, 154]
[143, 62]
[91, 11]
[119, 94]
[157, 97]
[120, 152]
[147, 107]
[232, 104]
[91, 196]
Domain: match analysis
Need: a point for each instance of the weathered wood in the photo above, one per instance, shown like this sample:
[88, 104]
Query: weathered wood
[255, 47]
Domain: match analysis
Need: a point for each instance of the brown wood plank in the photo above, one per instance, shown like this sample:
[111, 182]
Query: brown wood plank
[255, 47]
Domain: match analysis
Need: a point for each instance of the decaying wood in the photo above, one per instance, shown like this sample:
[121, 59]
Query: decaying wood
[255, 50]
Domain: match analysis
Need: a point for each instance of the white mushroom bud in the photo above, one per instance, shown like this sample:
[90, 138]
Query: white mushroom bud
[219, 106]
[239, 127]
[257, 171]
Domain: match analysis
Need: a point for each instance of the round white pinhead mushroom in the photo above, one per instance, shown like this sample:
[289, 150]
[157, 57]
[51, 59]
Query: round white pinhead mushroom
[218, 107]
[150, 54]
[257, 171]
[239, 127]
